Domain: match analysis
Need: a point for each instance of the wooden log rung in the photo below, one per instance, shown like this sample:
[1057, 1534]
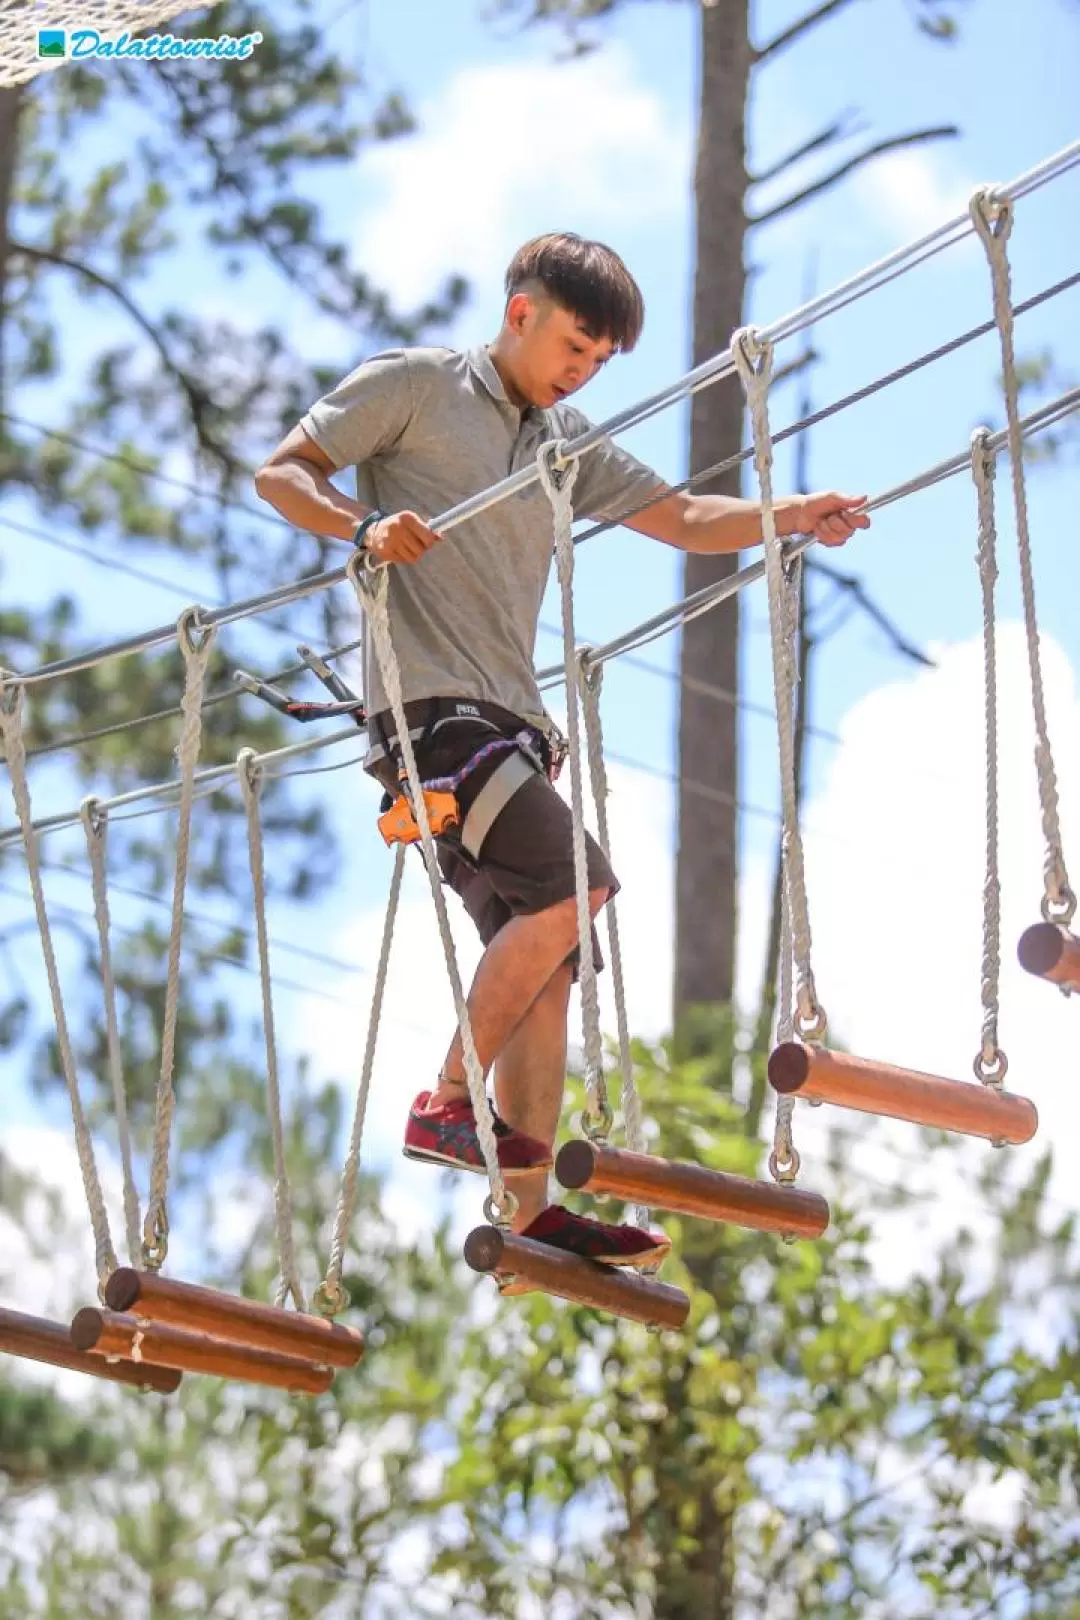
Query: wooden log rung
[108, 1333]
[619, 1291]
[690, 1189]
[1051, 953]
[921, 1099]
[32, 1338]
[243, 1322]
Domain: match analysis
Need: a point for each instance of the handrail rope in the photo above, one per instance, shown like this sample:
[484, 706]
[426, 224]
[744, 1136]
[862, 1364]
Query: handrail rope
[704, 375]
[371, 587]
[992, 217]
[640, 635]
[95, 822]
[991, 1063]
[250, 779]
[196, 643]
[715, 470]
[11, 729]
[557, 475]
[330, 1296]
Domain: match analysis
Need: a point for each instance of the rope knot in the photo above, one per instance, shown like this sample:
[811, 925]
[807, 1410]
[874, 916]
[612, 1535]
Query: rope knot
[11, 695]
[557, 470]
[752, 353]
[94, 815]
[249, 771]
[991, 215]
[195, 635]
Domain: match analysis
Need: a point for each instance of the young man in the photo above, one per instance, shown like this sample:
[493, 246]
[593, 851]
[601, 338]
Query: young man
[425, 429]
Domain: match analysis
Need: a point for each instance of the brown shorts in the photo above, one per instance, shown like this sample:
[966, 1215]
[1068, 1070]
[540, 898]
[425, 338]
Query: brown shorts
[526, 862]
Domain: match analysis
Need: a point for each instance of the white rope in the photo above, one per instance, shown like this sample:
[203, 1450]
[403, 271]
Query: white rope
[371, 589]
[196, 642]
[753, 361]
[96, 828]
[11, 730]
[330, 1296]
[557, 479]
[993, 219]
[991, 1063]
[289, 1282]
[590, 681]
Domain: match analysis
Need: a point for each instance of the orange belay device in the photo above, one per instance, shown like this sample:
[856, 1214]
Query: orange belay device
[182, 1326]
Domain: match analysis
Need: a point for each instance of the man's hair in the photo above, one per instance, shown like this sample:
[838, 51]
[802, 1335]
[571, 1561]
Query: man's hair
[587, 279]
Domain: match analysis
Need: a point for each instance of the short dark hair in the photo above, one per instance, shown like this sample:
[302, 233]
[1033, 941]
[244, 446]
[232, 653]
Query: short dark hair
[586, 278]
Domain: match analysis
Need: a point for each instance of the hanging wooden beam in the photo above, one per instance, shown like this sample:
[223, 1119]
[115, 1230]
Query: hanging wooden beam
[922, 1099]
[105, 1333]
[239, 1321]
[620, 1291]
[690, 1189]
[1051, 953]
[34, 1339]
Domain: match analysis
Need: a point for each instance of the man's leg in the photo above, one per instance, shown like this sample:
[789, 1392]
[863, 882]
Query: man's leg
[513, 972]
[530, 1078]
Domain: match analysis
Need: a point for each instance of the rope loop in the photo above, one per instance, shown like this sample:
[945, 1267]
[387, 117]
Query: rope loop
[811, 1020]
[330, 1299]
[11, 694]
[785, 1170]
[596, 1123]
[500, 1211]
[1059, 908]
[557, 469]
[250, 773]
[991, 1066]
[94, 816]
[194, 635]
[992, 216]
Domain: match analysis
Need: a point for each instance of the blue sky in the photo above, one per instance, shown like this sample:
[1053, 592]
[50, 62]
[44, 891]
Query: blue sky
[511, 143]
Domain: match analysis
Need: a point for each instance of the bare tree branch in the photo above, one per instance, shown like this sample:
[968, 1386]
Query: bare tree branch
[915, 138]
[200, 404]
[857, 589]
[839, 130]
[781, 41]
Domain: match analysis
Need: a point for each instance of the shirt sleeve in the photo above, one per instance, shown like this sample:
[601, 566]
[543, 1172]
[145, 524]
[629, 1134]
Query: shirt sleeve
[610, 481]
[366, 413]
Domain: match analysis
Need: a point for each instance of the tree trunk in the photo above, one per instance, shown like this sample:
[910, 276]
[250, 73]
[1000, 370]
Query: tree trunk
[708, 731]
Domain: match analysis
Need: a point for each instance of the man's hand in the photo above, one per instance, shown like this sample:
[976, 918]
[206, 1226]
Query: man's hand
[830, 518]
[400, 538]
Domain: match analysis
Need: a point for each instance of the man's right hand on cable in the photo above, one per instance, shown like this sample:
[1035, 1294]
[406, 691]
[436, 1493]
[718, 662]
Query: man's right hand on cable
[401, 537]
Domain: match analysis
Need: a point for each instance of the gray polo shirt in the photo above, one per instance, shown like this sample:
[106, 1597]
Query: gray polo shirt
[426, 429]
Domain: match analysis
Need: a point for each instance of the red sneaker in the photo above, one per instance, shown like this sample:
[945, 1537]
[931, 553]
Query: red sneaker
[593, 1240]
[447, 1135]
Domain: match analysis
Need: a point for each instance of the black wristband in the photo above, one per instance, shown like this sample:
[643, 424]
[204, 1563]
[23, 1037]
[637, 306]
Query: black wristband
[364, 525]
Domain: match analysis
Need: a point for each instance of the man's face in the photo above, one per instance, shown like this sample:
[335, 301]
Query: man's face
[556, 356]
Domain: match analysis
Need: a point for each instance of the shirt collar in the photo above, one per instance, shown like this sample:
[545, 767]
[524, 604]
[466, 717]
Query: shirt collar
[483, 366]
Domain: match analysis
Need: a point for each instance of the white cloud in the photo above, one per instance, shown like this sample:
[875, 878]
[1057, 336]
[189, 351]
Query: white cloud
[911, 191]
[593, 149]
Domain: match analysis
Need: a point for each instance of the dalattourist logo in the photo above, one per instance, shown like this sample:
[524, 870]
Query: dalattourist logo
[86, 43]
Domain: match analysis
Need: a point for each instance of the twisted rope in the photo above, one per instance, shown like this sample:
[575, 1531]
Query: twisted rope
[753, 362]
[330, 1296]
[993, 221]
[990, 1063]
[289, 1283]
[371, 590]
[557, 481]
[96, 828]
[11, 730]
[196, 643]
[590, 681]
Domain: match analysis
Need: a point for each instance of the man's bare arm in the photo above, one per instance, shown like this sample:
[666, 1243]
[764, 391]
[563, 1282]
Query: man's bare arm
[295, 481]
[712, 524]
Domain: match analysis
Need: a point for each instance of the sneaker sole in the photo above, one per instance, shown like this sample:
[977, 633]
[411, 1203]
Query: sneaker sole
[433, 1156]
